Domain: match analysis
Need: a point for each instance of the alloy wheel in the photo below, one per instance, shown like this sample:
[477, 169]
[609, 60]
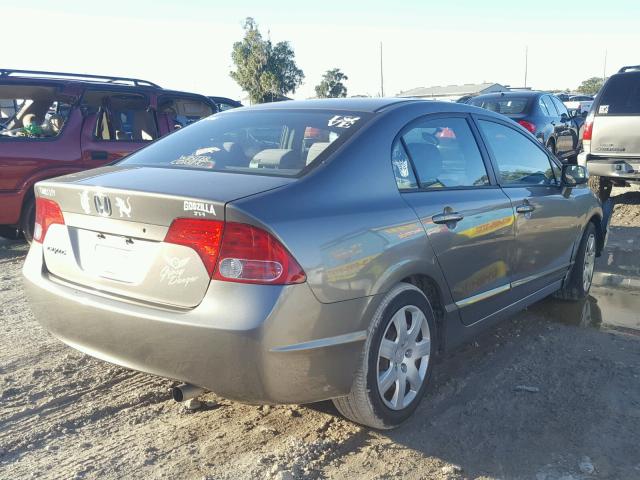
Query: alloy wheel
[403, 357]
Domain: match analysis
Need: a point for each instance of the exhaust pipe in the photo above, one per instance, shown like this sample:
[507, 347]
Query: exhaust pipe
[185, 392]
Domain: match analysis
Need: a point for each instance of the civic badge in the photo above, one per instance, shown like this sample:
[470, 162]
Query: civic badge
[103, 205]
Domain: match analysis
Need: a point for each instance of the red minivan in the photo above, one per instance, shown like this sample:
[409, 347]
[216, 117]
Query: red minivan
[52, 124]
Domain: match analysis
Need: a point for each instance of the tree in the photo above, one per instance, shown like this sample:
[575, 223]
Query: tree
[331, 85]
[265, 71]
[591, 86]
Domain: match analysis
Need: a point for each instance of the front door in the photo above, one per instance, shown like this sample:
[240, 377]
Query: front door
[545, 220]
[468, 219]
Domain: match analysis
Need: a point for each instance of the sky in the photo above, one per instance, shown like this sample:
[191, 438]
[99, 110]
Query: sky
[186, 45]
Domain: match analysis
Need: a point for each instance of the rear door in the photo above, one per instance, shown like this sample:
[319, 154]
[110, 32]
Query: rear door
[545, 217]
[442, 174]
[616, 126]
[115, 125]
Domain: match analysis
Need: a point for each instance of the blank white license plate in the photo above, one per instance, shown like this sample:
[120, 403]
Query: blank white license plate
[114, 263]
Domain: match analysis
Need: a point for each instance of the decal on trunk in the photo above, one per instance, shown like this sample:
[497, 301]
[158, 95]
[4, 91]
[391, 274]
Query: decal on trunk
[173, 272]
[84, 202]
[199, 209]
[124, 207]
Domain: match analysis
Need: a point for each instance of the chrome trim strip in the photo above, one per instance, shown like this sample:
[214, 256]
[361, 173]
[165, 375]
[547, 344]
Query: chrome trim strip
[324, 342]
[465, 302]
[536, 276]
[116, 227]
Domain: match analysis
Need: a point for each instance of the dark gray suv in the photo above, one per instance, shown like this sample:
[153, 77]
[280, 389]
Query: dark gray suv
[301, 251]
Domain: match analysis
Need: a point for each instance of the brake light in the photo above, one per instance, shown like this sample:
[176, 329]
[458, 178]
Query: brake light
[588, 127]
[528, 125]
[250, 255]
[203, 236]
[47, 213]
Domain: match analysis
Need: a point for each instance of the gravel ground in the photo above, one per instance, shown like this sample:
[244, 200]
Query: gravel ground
[540, 397]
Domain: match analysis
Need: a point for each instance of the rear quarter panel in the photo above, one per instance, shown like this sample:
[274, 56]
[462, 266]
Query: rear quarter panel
[345, 222]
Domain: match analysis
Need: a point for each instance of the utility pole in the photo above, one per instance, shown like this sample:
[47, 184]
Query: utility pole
[526, 64]
[604, 69]
[381, 74]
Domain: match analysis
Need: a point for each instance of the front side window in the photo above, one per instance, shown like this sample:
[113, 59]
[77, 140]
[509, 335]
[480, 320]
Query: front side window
[32, 112]
[444, 153]
[519, 160]
[181, 112]
[277, 142]
[553, 112]
[560, 106]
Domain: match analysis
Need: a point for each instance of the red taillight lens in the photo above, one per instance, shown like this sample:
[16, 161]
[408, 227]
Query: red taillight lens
[528, 125]
[203, 236]
[250, 255]
[588, 127]
[47, 213]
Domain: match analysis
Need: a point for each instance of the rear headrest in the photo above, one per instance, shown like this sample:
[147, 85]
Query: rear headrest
[315, 150]
[272, 158]
[427, 159]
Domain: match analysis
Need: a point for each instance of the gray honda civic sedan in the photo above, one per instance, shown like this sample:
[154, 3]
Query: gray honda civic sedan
[310, 250]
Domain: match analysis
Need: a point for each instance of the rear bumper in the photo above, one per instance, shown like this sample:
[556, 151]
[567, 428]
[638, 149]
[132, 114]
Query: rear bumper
[251, 343]
[624, 169]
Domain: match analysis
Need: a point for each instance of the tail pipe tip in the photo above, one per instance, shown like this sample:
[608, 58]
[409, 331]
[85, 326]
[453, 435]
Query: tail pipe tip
[185, 392]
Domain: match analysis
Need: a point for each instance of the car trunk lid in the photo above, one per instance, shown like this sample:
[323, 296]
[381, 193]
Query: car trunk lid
[116, 221]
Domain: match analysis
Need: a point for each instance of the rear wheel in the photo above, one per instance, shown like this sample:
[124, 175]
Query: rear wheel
[601, 186]
[577, 286]
[396, 362]
[28, 219]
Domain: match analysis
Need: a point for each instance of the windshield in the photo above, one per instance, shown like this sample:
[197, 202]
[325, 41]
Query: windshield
[270, 142]
[504, 105]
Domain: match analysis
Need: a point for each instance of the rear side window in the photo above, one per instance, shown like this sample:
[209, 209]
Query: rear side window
[553, 112]
[559, 106]
[444, 154]
[269, 142]
[519, 160]
[182, 111]
[621, 95]
[504, 105]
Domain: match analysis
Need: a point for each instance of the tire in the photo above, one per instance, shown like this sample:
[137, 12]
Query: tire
[577, 285]
[28, 219]
[386, 409]
[601, 186]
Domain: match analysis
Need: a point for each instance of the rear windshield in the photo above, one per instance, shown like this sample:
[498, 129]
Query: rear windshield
[621, 95]
[275, 142]
[505, 105]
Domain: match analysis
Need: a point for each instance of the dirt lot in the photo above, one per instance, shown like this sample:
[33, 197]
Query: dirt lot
[545, 396]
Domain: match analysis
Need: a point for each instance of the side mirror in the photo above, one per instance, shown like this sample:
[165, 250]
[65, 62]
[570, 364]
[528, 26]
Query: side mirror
[573, 175]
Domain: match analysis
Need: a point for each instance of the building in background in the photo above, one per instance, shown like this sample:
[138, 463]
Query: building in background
[453, 93]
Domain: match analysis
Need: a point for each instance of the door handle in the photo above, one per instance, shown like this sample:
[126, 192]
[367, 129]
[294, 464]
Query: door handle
[99, 155]
[447, 217]
[525, 208]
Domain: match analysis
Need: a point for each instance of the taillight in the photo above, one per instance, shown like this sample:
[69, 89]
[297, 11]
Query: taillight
[588, 127]
[47, 213]
[237, 252]
[250, 255]
[203, 236]
[528, 125]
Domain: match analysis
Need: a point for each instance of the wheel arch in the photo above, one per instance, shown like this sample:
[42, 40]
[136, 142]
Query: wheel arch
[597, 221]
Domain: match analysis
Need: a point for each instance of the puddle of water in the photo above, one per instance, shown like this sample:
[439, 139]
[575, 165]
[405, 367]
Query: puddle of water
[606, 307]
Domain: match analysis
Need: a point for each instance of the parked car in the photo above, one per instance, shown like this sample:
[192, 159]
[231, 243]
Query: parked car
[57, 123]
[542, 114]
[224, 103]
[579, 104]
[301, 271]
[611, 137]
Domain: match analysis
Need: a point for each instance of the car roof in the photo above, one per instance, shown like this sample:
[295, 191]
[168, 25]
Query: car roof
[354, 104]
